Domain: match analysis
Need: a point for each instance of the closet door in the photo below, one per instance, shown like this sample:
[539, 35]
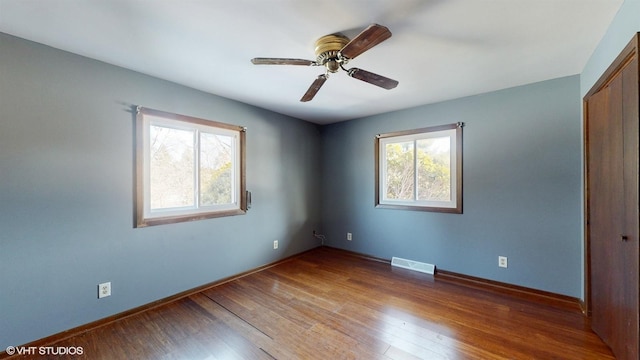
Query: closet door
[613, 205]
[629, 324]
[606, 199]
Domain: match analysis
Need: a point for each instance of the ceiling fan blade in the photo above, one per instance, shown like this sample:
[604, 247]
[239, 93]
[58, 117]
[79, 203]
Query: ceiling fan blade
[313, 89]
[371, 78]
[282, 61]
[368, 38]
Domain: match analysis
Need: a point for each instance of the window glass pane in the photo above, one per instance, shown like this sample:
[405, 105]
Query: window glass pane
[434, 168]
[216, 170]
[171, 175]
[400, 174]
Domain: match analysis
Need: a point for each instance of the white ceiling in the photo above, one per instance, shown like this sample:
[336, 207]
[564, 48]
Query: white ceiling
[440, 49]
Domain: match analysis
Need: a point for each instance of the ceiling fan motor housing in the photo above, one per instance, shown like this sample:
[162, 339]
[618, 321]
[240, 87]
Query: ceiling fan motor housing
[327, 50]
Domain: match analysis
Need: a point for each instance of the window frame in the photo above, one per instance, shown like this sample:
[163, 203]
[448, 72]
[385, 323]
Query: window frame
[455, 205]
[144, 216]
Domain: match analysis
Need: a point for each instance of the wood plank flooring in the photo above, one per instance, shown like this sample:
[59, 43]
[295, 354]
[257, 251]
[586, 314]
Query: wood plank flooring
[329, 304]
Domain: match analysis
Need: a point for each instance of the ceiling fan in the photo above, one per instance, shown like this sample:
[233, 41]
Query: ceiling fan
[333, 52]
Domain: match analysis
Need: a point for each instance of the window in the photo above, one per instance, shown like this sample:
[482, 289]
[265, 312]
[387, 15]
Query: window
[420, 169]
[187, 168]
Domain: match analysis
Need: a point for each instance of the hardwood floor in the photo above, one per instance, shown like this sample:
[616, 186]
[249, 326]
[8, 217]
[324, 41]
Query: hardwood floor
[329, 304]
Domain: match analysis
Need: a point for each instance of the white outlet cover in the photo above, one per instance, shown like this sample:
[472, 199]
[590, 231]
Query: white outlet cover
[502, 261]
[349, 236]
[104, 290]
[275, 244]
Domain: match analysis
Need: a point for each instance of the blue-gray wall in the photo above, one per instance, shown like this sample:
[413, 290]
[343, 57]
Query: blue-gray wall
[66, 193]
[521, 178]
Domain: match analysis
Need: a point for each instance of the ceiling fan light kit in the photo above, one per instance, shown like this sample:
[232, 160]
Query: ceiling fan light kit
[333, 52]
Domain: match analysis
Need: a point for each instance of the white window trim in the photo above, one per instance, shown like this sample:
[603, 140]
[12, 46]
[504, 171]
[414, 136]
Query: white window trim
[454, 205]
[145, 216]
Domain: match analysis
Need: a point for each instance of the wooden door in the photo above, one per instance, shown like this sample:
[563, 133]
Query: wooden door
[606, 189]
[612, 134]
[629, 321]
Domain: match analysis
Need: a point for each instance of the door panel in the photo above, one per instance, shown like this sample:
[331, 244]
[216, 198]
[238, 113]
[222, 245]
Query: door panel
[603, 155]
[616, 215]
[612, 146]
[613, 211]
[629, 251]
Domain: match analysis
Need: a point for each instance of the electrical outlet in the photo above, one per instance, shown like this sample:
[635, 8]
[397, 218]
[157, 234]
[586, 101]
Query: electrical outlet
[104, 290]
[349, 236]
[502, 261]
[275, 244]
